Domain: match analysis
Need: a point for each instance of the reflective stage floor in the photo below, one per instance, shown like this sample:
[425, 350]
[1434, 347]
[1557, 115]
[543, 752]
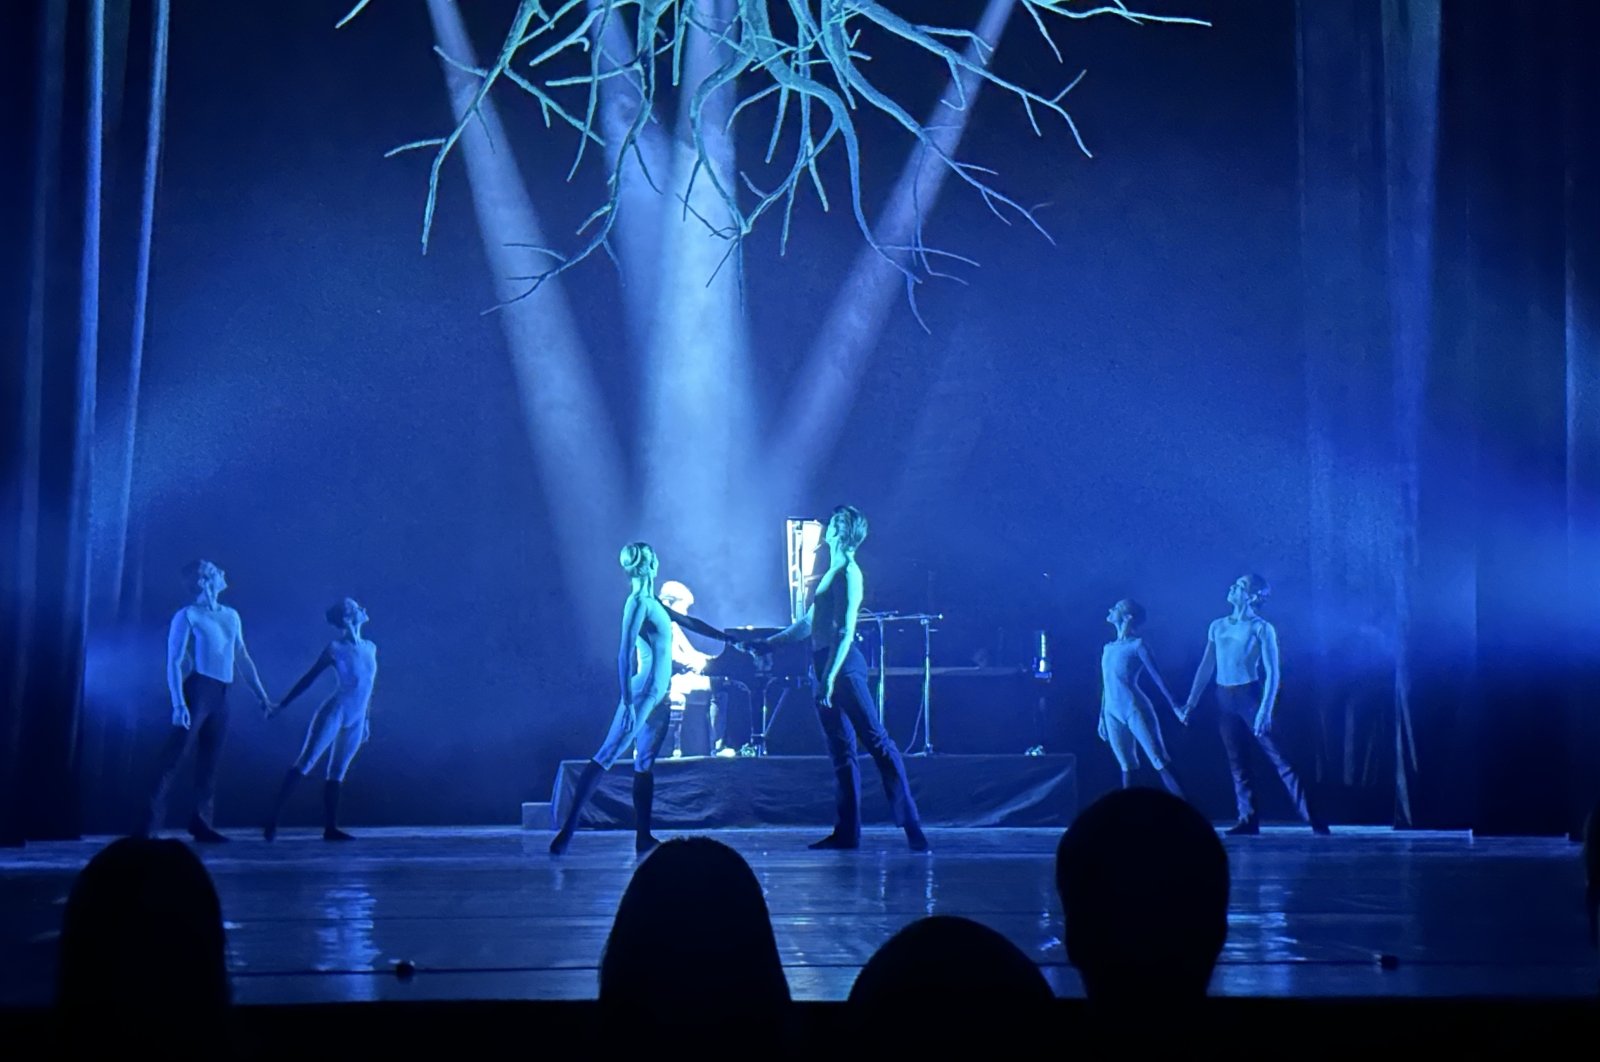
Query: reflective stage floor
[487, 914]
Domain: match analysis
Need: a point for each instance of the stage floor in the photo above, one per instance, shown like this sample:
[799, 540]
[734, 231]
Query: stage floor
[486, 913]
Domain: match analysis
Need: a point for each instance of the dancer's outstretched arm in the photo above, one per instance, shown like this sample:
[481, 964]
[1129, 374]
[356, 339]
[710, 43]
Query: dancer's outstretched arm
[1204, 673]
[797, 631]
[1270, 678]
[1155, 676]
[251, 674]
[689, 623]
[178, 638]
[324, 662]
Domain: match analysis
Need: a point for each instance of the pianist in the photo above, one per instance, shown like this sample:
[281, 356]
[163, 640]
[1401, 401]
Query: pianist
[688, 671]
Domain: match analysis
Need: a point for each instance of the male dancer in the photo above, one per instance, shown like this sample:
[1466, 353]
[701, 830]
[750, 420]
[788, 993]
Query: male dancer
[844, 699]
[342, 725]
[203, 641]
[1242, 653]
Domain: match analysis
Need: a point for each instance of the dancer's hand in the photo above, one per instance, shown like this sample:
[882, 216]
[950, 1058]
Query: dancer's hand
[1102, 730]
[1263, 725]
[180, 716]
[366, 731]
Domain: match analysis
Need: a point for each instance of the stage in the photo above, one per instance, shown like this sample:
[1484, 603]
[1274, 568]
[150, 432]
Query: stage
[707, 793]
[488, 914]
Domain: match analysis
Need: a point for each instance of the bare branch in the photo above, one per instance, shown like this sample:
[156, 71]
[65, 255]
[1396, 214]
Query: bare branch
[818, 67]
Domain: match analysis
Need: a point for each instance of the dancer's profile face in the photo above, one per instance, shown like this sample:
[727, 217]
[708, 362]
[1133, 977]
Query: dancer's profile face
[830, 537]
[212, 579]
[1239, 593]
[1114, 617]
[354, 614]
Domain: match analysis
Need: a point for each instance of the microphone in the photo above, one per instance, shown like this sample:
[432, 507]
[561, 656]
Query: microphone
[1041, 659]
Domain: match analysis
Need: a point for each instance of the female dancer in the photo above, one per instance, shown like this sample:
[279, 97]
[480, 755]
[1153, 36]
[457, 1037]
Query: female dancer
[341, 726]
[642, 713]
[1127, 718]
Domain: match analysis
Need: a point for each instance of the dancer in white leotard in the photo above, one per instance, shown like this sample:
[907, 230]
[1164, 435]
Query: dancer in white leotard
[1127, 718]
[342, 725]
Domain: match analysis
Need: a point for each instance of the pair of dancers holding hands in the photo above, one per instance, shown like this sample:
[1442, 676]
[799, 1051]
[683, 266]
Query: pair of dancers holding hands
[1242, 656]
[839, 673]
[205, 646]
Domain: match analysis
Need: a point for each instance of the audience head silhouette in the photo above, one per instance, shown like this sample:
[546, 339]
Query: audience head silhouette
[946, 961]
[660, 963]
[1143, 881]
[142, 943]
[943, 978]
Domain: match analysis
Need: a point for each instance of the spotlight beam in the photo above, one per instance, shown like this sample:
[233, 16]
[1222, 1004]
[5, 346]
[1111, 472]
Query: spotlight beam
[826, 384]
[641, 178]
[698, 378]
[578, 462]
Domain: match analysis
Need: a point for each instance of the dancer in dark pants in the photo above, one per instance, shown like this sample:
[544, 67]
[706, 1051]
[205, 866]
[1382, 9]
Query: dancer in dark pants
[204, 641]
[642, 714]
[1242, 654]
[844, 698]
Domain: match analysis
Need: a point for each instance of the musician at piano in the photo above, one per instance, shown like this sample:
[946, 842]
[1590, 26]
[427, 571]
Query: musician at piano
[689, 669]
[844, 698]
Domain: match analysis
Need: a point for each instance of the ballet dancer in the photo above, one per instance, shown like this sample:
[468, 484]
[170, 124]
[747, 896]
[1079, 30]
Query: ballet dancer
[1127, 718]
[342, 725]
[204, 643]
[844, 698]
[642, 712]
[1242, 654]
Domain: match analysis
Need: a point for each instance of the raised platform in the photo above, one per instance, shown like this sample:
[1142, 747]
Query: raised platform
[704, 793]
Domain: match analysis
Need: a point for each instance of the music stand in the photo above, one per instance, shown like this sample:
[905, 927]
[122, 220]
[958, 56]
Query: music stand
[926, 619]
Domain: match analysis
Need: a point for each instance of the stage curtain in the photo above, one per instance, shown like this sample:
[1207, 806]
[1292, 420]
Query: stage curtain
[1351, 360]
[1517, 207]
[65, 62]
[1449, 206]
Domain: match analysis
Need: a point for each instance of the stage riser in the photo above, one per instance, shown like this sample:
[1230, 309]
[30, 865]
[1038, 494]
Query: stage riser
[711, 794]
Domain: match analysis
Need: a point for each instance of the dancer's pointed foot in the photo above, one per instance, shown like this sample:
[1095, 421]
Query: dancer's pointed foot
[1245, 828]
[203, 833]
[645, 844]
[836, 841]
[1320, 829]
[333, 833]
[558, 845]
[269, 832]
[917, 839]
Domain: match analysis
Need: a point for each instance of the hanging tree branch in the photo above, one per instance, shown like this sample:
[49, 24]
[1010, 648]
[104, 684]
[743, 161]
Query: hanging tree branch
[814, 70]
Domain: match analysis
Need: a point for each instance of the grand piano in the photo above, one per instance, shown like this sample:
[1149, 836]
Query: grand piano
[761, 679]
